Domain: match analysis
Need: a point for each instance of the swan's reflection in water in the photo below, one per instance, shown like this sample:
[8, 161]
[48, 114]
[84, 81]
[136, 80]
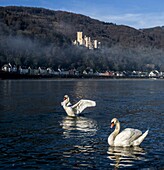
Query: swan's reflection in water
[79, 125]
[124, 157]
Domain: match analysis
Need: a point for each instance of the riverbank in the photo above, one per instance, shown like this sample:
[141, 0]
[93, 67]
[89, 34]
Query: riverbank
[13, 75]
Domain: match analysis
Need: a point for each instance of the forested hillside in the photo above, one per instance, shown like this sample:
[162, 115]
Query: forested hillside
[39, 37]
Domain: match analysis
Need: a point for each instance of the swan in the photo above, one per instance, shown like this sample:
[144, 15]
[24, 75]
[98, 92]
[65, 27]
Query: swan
[76, 109]
[128, 137]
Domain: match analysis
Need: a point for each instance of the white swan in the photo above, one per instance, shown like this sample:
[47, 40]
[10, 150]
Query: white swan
[128, 137]
[74, 110]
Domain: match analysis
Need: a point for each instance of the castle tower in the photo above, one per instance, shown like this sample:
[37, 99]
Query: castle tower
[80, 38]
[95, 44]
[90, 43]
[86, 40]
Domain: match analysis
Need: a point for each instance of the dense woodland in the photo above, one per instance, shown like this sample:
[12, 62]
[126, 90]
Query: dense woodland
[38, 37]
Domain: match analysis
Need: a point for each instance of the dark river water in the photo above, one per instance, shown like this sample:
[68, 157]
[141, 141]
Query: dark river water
[36, 133]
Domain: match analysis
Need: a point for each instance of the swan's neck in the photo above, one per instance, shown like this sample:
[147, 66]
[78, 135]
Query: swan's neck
[117, 128]
[67, 102]
[113, 135]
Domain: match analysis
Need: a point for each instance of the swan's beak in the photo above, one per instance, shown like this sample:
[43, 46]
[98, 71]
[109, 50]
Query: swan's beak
[64, 98]
[112, 125]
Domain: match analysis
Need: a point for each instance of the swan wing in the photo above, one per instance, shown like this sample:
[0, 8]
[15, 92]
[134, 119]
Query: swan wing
[83, 104]
[127, 136]
[139, 140]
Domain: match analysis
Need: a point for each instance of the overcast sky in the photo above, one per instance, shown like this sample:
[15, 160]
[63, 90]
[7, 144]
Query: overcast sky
[134, 13]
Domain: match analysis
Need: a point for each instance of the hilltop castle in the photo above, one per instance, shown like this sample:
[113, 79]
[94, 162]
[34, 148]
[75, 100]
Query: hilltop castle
[86, 41]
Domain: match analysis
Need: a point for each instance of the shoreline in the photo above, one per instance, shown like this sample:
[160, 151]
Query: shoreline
[16, 76]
